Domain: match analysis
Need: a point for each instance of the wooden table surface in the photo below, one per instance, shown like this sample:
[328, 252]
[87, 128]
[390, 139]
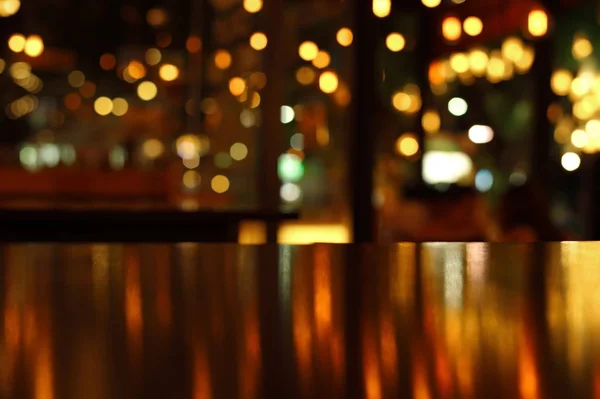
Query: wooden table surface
[324, 321]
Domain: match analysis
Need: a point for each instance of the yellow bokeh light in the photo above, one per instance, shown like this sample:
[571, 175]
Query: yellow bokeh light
[191, 179]
[305, 75]
[328, 82]
[512, 49]
[537, 23]
[582, 84]
[478, 60]
[103, 106]
[436, 73]
[451, 29]
[120, 106]
[193, 44]
[345, 37]
[255, 102]
[407, 145]
[76, 79]
[153, 56]
[431, 3]
[431, 121]
[237, 86]
[9, 7]
[147, 90]
[16, 43]
[107, 61]
[395, 42]
[253, 6]
[238, 151]
[134, 71]
[88, 90]
[322, 60]
[308, 51]
[401, 101]
[473, 26]
[34, 46]
[222, 59]
[579, 138]
[582, 47]
[258, 41]
[496, 69]
[220, 184]
[561, 82]
[193, 162]
[153, 148]
[168, 72]
[524, 64]
[459, 63]
[382, 8]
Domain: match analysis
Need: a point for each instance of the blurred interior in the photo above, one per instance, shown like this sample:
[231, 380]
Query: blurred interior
[485, 122]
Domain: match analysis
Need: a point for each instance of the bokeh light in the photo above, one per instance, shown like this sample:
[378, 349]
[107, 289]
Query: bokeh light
[153, 148]
[120, 106]
[484, 180]
[382, 8]
[308, 51]
[290, 192]
[287, 114]
[193, 44]
[457, 106]
[290, 168]
[34, 46]
[451, 29]
[459, 63]
[16, 43]
[76, 79]
[431, 121]
[345, 37]
[191, 179]
[407, 145]
[237, 86]
[156, 17]
[9, 8]
[322, 60]
[478, 61]
[222, 59]
[481, 134]
[395, 42]
[238, 151]
[107, 61]
[328, 82]
[153, 56]
[582, 47]
[253, 6]
[147, 90]
[305, 75]
[72, 101]
[537, 23]
[88, 90]
[570, 161]
[431, 3]
[579, 138]
[258, 41]
[220, 184]
[168, 72]
[103, 106]
[473, 26]
[561, 82]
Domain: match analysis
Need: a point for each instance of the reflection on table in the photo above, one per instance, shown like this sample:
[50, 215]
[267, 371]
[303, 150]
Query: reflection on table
[201, 321]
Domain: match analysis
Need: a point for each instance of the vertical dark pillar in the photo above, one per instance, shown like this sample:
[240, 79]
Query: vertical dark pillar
[271, 140]
[364, 131]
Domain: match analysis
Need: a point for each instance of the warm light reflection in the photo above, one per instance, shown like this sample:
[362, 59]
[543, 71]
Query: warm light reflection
[168, 72]
[34, 46]
[16, 43]
[193, 44]
[322, 60]
[222, 59]
[395, 42]
[328, 82]
[296, 233]
[258, 41]
[345, 37]
[305, 75]
[253, 6]
[451, 29]
[107, 61]
[9, 7]
[133, 307]
[147, 90]
[103, 106]
[308, 51]
[407, 145]
[237, 86]
[153, 56]
[473, 26]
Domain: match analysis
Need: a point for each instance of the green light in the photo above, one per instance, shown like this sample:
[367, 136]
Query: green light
[290, 168]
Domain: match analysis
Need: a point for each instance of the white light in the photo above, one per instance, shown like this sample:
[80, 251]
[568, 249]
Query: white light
[50, 155]
[457, 106]
[481, 134]
[484, 180]
[28, 157]
[287, 114]
[570, 161]
[290, 192]
[445, 167]
[68, 155]
[247, 118]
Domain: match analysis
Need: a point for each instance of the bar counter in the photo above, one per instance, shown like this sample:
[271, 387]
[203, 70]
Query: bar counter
[323, 321]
